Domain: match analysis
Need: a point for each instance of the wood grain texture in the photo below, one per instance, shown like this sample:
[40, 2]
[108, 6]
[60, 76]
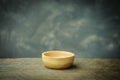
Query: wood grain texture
[83, 69]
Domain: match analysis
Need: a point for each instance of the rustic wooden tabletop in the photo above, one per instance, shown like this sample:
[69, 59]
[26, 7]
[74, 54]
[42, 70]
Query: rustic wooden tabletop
[83, 69]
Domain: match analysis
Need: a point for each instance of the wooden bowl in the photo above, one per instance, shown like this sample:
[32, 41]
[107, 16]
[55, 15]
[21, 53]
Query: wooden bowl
[57, 59]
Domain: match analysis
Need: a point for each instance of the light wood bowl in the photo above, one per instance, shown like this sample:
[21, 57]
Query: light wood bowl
[57, 59]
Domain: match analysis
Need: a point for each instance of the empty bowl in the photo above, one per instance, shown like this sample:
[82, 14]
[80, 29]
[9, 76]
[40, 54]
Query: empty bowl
[57, 59]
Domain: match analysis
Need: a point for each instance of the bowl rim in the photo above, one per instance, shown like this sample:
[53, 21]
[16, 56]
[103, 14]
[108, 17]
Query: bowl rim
[47, 52]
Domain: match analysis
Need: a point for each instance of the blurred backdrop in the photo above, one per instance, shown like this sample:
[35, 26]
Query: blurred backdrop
[89, 28]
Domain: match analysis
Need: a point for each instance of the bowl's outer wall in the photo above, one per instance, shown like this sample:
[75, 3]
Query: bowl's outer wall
[58, 63]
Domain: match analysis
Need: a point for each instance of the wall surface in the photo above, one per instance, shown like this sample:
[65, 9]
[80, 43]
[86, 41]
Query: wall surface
[89, 28]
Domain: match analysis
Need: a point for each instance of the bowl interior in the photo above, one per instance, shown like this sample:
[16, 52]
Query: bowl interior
[58, 54]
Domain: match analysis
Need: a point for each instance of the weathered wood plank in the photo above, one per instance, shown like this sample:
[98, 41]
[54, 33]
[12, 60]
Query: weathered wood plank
[83, 69]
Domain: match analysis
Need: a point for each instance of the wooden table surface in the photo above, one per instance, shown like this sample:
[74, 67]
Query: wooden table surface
[83, 69]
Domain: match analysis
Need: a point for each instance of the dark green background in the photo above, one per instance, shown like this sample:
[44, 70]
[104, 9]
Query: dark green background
[89, 28]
